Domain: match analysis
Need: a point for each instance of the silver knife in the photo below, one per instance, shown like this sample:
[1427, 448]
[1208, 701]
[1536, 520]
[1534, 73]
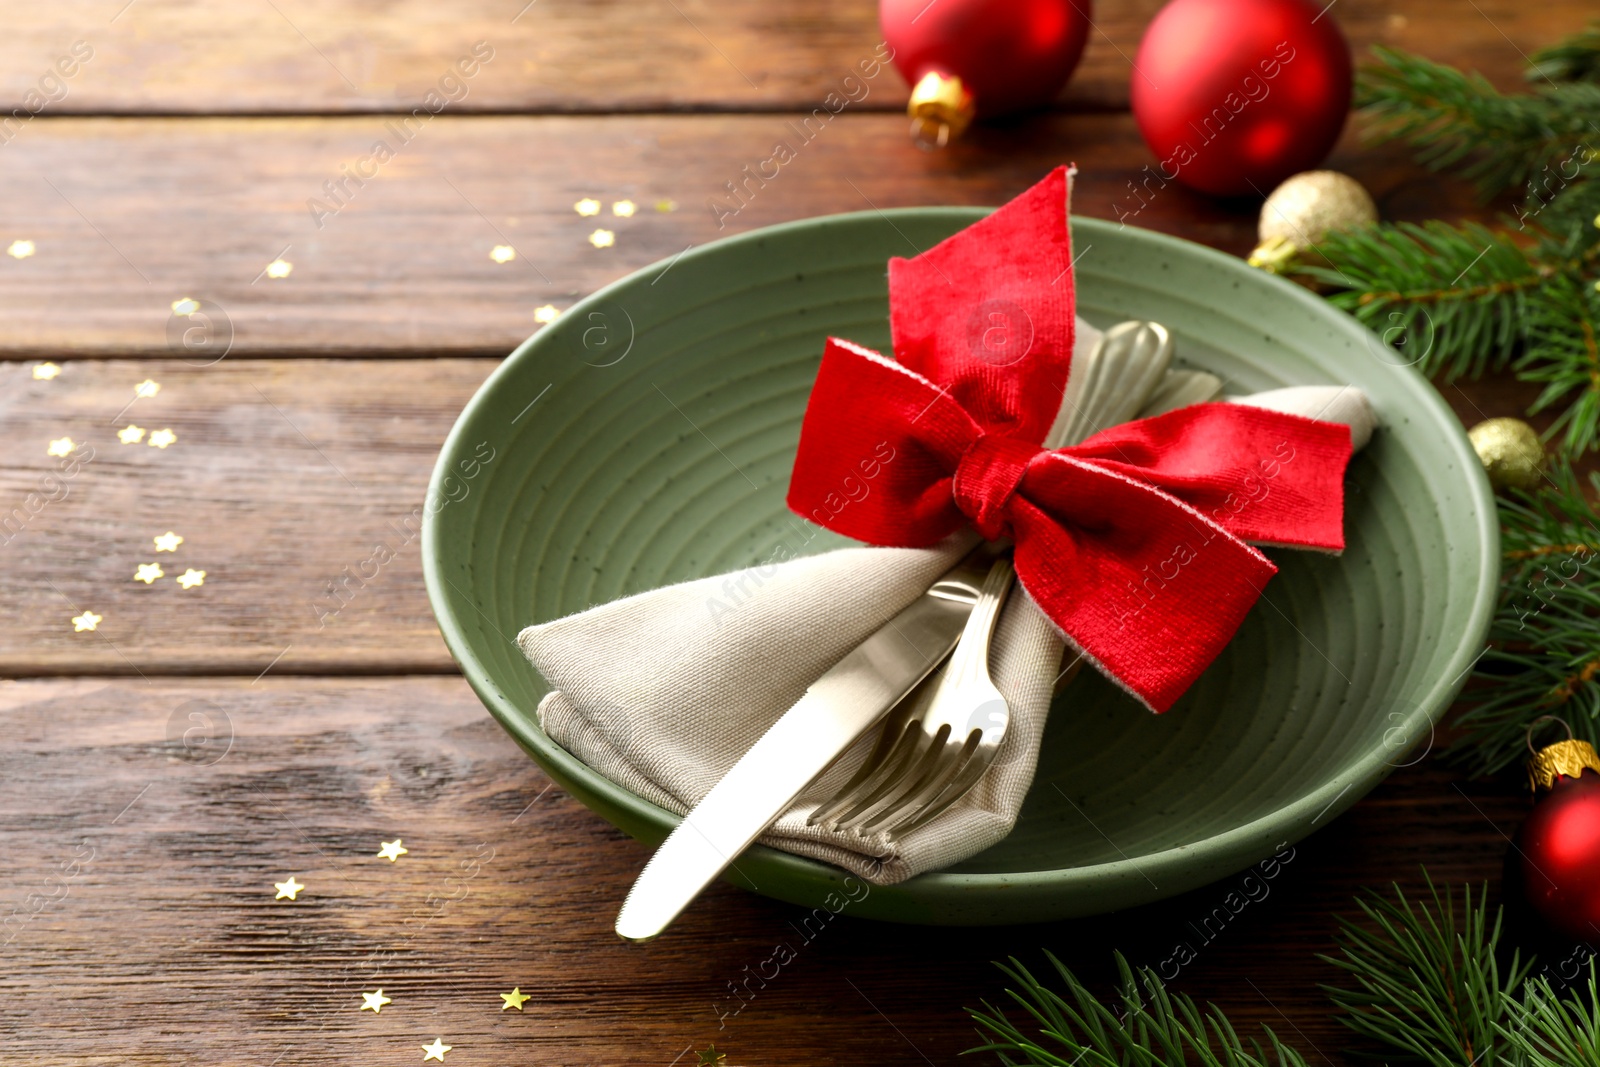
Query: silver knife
[838, 708]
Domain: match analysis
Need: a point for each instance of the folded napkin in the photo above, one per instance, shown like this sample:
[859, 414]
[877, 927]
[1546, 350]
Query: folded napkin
[664, 691]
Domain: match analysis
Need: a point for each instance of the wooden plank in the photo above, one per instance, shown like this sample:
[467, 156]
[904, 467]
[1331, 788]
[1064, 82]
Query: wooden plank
[568, 55]
[128, 216]
[139, 912]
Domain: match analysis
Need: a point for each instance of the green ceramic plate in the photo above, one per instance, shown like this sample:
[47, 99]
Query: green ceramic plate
[646, 438]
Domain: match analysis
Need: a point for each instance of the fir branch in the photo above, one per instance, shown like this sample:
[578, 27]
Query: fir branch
[1576, 59]
[1549, 1031]
[1563, 351]
[1425, 983]
[1544, 655]
[1153, 1028]
[1458, 121]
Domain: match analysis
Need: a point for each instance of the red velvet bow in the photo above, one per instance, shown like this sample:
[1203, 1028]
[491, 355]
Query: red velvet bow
[1132, 542]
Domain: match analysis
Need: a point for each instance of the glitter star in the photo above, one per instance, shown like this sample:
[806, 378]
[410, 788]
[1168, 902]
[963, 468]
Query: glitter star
[392, 850]
[20, 249]
[61, 446]
[287, 889]
[666, 206]
[436, 1050]
[87, 621]
[185, 306]
[375, 1001]
[162, 438]
[587, 207]
[279, 268]
[191, 578]
[131, 434]
[602, 238]
[711, 1057]
[623, 209]
[514, 999]
[547, 314]
[148, 572]
[502, 253]
[167, 542]
[43, 372]
[146, 389]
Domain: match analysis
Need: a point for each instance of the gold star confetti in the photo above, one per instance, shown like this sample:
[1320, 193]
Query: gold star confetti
[191, 578]
[287, 889]
[502, 253]
[587, 206]
[20, 249]
[162, 438]
[146, 389]
[711, 1057]
[623, 209]
[185, 306]
[43, 372]
[602, 238]
[61, 446]
[547, 314]
[392, 850]
[167, 542]
[375, 1001]
[279, 268]
[148, 572]
[131, 434]
[87, 621]
[436, 1050]
[666, 206]
[514, 999]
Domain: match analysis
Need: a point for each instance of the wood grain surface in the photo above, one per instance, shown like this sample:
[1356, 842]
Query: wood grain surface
[333, 56]
[162, 772]
[129, 215]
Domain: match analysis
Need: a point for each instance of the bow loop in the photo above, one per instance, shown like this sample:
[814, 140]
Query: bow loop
[987, 478]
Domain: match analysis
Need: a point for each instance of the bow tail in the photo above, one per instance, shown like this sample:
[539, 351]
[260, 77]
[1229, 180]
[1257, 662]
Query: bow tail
[1149, 590]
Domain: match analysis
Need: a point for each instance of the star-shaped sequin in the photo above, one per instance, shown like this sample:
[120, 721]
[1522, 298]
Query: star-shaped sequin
[191, 578]
[279, 268]
[61, 446]
[502, 253]
[587, 206]
[162, 438]
[287, 889]
[185, 306]
[375, 1001]
[711, 1057]
[131, 434]
[546, 315]
[436, 1050]
[148, 572]
[623, 209]
[20, 249]
[87, 621]
[43, 372]
[666, 206]
[393, 850]
[514, 999]
[146, 389]
[167, 542]
[602, 238]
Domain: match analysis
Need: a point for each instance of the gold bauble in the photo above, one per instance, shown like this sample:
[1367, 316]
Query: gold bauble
[1304, 210]
[1511, 452]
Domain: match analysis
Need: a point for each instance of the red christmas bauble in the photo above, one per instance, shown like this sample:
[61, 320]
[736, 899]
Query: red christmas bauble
[1559, 845]
[1233, 96]
[1009, 54]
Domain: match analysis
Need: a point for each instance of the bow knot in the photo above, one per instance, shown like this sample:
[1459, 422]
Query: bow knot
[987, 478]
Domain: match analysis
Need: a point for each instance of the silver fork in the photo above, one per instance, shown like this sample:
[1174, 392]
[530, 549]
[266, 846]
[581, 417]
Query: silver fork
[939, 741]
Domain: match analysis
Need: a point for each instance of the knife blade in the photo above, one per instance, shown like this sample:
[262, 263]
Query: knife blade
[837, 708]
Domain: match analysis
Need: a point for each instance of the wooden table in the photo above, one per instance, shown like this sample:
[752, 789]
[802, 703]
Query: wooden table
[162, 771]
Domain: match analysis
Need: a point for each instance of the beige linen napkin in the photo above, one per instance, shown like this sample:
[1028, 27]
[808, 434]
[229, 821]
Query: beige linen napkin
[663, 692]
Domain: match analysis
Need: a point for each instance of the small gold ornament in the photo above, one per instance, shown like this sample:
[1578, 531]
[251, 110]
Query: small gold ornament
[941, 109]
[1304, 210]
[1511, 452]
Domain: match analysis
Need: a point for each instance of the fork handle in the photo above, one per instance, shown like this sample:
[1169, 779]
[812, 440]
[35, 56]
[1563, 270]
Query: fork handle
[970, 661]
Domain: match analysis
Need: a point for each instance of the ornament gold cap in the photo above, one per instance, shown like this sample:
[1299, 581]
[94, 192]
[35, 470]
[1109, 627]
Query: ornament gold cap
[1274, 254]
[1569, 758]
[941, 109]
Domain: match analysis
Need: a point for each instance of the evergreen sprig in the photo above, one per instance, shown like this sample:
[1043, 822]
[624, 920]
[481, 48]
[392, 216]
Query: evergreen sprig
[1544, 642]
[1149, 1027]
[1425, 982]
[1576, 59]
[1547, 1030]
